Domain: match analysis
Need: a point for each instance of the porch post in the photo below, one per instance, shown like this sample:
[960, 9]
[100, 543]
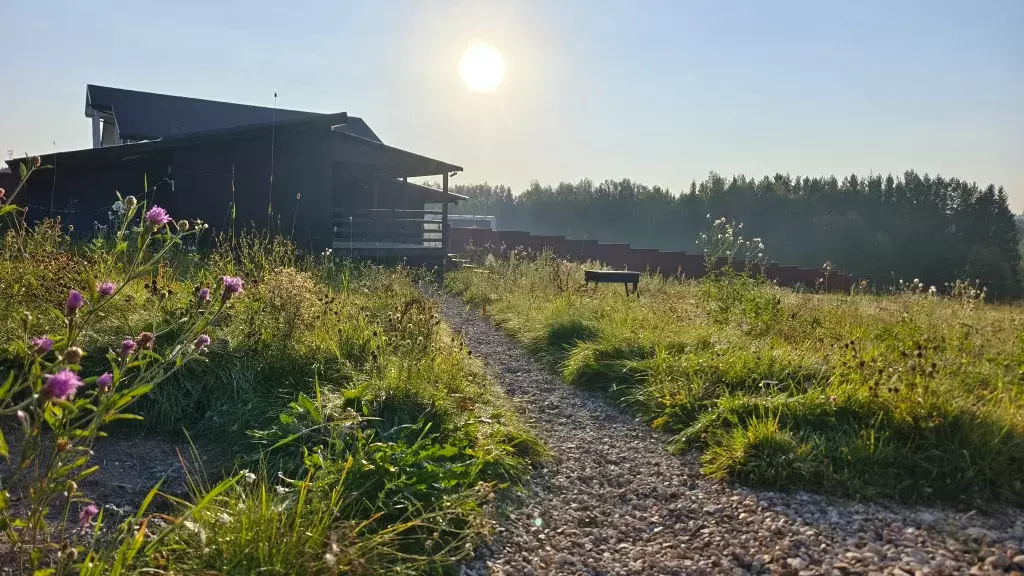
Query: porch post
[444, 213]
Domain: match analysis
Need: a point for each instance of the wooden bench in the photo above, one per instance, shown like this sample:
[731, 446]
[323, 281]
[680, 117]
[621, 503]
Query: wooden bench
[625, 277]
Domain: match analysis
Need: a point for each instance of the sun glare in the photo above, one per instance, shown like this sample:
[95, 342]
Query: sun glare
[481, 67]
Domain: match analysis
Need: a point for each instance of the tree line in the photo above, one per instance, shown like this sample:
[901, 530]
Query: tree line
[878, 228]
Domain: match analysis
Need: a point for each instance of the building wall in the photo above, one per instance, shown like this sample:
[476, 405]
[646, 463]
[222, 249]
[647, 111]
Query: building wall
[210, 176]
[82, 193]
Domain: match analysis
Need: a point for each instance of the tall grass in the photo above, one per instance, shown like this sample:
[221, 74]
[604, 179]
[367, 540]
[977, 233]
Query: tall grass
[342, 428]
[913, 395]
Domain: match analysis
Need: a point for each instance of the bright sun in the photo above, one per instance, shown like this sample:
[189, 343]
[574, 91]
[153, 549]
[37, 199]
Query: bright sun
[481, 67]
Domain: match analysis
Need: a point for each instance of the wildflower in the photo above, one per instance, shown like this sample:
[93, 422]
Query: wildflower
[118, 208]
[127, 347]
[833, 399]
[106, 289]
[182, 225]
[75, 301]
[280, 489]
[145, 340]
[73, 355]
[61, 385]
[23, 418]
[201, 343]
[2, 192]
[232, 286]
[36, 161]
[157, 217]
[41, 346]
[86, 515]
[932, 291]
[130, 202]
[204, 295]
[330, 559]
[105, 381]
[249, 477]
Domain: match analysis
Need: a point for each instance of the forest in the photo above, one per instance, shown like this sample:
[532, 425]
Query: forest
[882, 229]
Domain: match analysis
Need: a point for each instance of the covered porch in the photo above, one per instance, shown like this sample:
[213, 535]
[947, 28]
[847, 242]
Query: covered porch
[377, 213]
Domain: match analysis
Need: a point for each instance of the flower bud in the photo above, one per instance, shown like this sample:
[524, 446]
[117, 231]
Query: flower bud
[145, 340]
[130, 202]
[182, 225]
[73, 355]
[36, 161]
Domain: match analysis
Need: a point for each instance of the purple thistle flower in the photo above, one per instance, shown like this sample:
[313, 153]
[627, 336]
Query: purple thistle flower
[86, 515]
[201, 342]
[107, 289]
[232, 286]
[75, 301]
[157, 216]
[105, 381]
[204, 295]
[41, 346]
[127, 347]
[61, 385]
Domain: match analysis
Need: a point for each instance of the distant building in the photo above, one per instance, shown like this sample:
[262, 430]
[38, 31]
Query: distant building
[326, 177]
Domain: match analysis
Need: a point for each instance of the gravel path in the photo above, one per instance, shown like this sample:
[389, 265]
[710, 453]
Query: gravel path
[614, 501]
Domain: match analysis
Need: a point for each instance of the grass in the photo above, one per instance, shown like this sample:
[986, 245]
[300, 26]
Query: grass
[375, 442]
[910, 396]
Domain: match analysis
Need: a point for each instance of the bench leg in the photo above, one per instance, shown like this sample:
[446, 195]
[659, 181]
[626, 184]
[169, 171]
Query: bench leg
[635, 290]
[627, 289]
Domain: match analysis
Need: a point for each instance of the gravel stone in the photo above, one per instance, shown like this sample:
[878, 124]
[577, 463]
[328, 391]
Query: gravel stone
[614, 501]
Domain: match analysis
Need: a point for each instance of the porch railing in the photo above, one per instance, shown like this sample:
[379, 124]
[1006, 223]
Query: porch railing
[388, 226]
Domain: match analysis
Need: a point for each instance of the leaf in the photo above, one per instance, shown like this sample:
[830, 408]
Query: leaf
[3, 446]
[23, 170]
[8, 208]
[6, 387]
[86, 472]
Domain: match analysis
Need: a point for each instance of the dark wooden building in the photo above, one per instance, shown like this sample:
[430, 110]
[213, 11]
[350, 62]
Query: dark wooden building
[325, 179]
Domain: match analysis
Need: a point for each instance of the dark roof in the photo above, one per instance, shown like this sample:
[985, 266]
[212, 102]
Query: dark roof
[432, 194]
[149, 116]
[127, 151]
[347, 148]
[387, 159]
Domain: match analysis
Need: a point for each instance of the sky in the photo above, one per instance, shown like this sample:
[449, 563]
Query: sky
[662, 92]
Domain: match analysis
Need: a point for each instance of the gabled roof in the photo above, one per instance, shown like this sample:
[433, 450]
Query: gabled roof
[150, 116]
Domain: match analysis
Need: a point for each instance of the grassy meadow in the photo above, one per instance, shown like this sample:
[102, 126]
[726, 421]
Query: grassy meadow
[340, 427]
[917, 395]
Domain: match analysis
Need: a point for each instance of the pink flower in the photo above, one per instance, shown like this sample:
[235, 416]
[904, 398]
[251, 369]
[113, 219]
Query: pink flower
[201, 342]
[61, 385]
[105, 381]
[127, 347]
[107, 289]
[86, 515]
[157, 216]
[41, 346]
[204, 296]
[232, 286]
[36, 161]
[2, 192]
[75, 301]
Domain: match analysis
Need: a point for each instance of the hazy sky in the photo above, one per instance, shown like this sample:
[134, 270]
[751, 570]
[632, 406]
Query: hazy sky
[660, 92]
